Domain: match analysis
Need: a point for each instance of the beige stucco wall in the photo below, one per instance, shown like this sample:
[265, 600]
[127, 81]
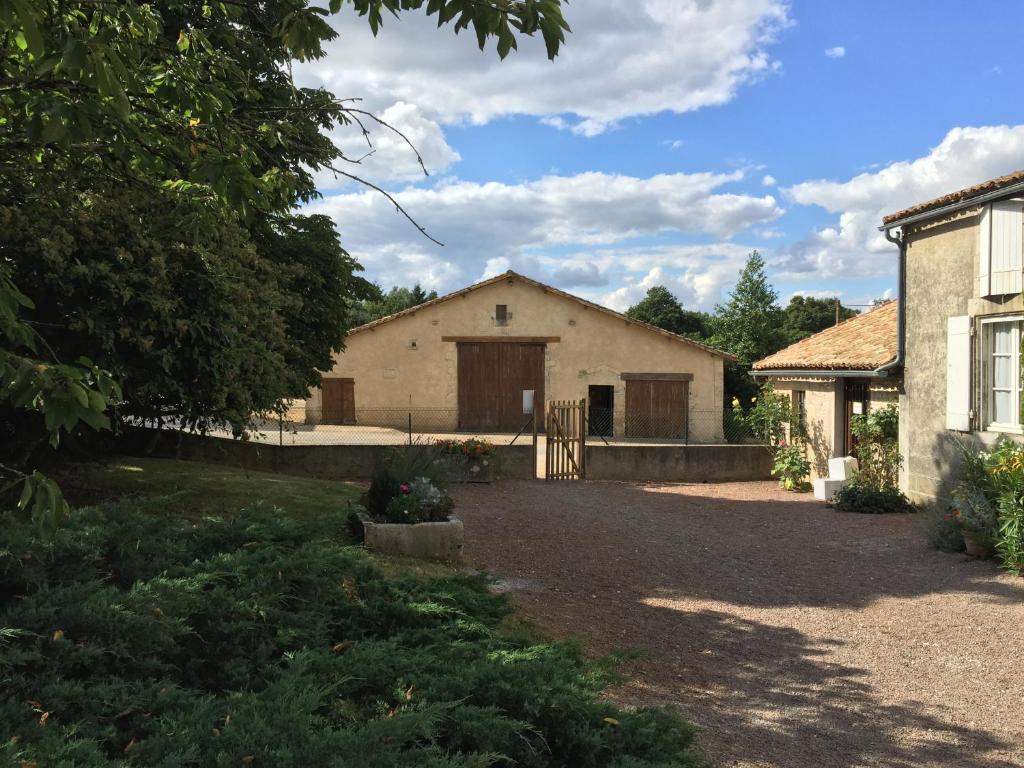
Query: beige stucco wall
[594, 348]
[825, 409]
[942, 278]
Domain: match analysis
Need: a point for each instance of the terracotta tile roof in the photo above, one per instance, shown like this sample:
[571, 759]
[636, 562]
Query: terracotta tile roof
[862, 343]
[956, 197]
[548, 289]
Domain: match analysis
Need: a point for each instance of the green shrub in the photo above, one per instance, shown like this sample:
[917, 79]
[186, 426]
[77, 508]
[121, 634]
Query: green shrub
[134, 638]
[877, 451]
[989, 499]
[857, 497]
[791, 466]
[1006, 473]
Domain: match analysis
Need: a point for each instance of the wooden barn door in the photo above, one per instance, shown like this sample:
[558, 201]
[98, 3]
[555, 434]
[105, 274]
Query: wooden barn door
[338, 401]
[657, 408]
[491, 378]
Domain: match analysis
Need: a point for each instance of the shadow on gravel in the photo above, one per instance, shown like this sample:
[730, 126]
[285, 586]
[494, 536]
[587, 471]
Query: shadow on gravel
[769, 696]
[768, 618]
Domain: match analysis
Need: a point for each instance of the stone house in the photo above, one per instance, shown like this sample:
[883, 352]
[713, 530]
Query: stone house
[836, 374]
[468, 356]
[961, 263]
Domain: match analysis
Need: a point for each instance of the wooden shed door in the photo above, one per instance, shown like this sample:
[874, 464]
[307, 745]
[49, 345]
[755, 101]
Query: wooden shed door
[857, 397]
[656, 408]
[338, 397]
[492, 377]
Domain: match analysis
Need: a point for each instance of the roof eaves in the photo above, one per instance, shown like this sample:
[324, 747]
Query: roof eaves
[925, 211]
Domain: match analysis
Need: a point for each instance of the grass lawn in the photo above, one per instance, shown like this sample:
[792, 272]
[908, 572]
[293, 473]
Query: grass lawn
[197, 490]
[198, 615]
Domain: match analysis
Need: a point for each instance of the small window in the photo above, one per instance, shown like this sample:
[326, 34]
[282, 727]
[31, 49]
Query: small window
[501, 314]
[1001, 374]
[800, 408]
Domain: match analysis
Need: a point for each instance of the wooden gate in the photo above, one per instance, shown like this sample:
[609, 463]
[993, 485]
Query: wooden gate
[565, 457]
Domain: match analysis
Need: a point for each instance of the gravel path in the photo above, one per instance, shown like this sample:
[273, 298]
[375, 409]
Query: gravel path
[792, 635]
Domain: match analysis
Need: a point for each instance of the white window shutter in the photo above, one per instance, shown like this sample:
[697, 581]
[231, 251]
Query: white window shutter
[1007, 247]
[984, 251]
[958, 373]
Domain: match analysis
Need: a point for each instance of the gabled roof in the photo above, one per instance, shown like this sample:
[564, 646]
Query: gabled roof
[961, 197]
[862, 343]
[548, 289]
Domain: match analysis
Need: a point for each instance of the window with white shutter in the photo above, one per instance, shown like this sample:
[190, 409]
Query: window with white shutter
[958, 373]
[1001, 248]
[1001, 380]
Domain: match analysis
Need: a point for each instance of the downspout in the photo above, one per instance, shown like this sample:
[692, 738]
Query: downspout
[901, 306]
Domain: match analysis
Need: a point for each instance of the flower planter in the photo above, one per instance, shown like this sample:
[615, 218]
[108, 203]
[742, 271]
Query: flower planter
[974, 548]
[467, 469]
[429, 541]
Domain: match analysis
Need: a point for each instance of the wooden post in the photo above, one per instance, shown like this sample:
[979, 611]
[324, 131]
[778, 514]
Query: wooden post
[533, 418]
[583, 438]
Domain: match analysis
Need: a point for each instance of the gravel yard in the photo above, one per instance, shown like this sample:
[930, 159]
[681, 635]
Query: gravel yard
[792, 635]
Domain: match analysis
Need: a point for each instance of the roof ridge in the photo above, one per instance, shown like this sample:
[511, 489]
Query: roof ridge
[797, 354]
[565, 294]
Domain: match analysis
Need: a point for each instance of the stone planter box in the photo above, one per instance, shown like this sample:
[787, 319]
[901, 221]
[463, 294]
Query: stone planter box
[429, 541]
[467, 469]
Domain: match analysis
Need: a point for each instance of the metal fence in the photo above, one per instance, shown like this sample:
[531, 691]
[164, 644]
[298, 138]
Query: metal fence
[395, 426]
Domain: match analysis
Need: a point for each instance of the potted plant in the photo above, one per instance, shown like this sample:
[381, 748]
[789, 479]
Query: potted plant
[977, 520]
[466, 461]
[406, 511]
[791, 466]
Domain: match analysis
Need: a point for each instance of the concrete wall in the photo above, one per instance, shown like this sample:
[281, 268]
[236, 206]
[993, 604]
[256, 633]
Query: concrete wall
[678, 464]
[326, 462]
[405, 362]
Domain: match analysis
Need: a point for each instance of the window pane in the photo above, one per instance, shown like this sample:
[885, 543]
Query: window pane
[1002, 372]
[1001, 408]
[1003, 338]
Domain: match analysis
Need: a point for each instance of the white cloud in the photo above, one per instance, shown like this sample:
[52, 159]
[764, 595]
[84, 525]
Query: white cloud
[388, 158]
[621, 60]
[853, 246]
[836, 52]
[490, 227]
[768, 181]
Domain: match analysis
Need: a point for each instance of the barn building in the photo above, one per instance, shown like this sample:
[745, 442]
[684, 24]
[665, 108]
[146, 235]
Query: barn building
[468, 356]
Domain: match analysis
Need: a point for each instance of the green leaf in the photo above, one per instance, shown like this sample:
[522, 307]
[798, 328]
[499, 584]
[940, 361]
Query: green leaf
[74, 55]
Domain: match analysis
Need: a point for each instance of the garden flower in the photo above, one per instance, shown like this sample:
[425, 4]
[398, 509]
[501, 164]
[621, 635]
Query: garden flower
[403, 488]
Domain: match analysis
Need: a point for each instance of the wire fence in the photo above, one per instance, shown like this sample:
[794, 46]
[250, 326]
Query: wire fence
[396, 426]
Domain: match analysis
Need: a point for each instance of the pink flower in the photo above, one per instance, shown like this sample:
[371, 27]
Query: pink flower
[782, 443]
[403, 488]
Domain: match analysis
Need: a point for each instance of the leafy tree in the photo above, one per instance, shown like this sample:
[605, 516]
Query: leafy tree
[177, 125]
[662, 309]
[379, 304]
[749, 325]
[807, 315]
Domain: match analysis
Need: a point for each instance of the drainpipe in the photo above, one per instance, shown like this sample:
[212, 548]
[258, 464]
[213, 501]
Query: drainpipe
[901, 306]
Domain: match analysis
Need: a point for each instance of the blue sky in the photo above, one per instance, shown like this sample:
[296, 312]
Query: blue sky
[673, 136]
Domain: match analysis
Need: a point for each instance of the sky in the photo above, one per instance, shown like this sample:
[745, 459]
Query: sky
[669, 139]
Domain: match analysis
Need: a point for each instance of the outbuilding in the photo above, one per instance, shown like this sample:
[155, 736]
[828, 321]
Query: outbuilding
[466, 358]
[836, 374]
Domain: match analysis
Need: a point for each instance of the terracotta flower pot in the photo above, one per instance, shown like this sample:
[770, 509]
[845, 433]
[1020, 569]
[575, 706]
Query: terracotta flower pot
[975, 548]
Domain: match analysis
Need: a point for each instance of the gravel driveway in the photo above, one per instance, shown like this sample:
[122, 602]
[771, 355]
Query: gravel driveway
[791, 634]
